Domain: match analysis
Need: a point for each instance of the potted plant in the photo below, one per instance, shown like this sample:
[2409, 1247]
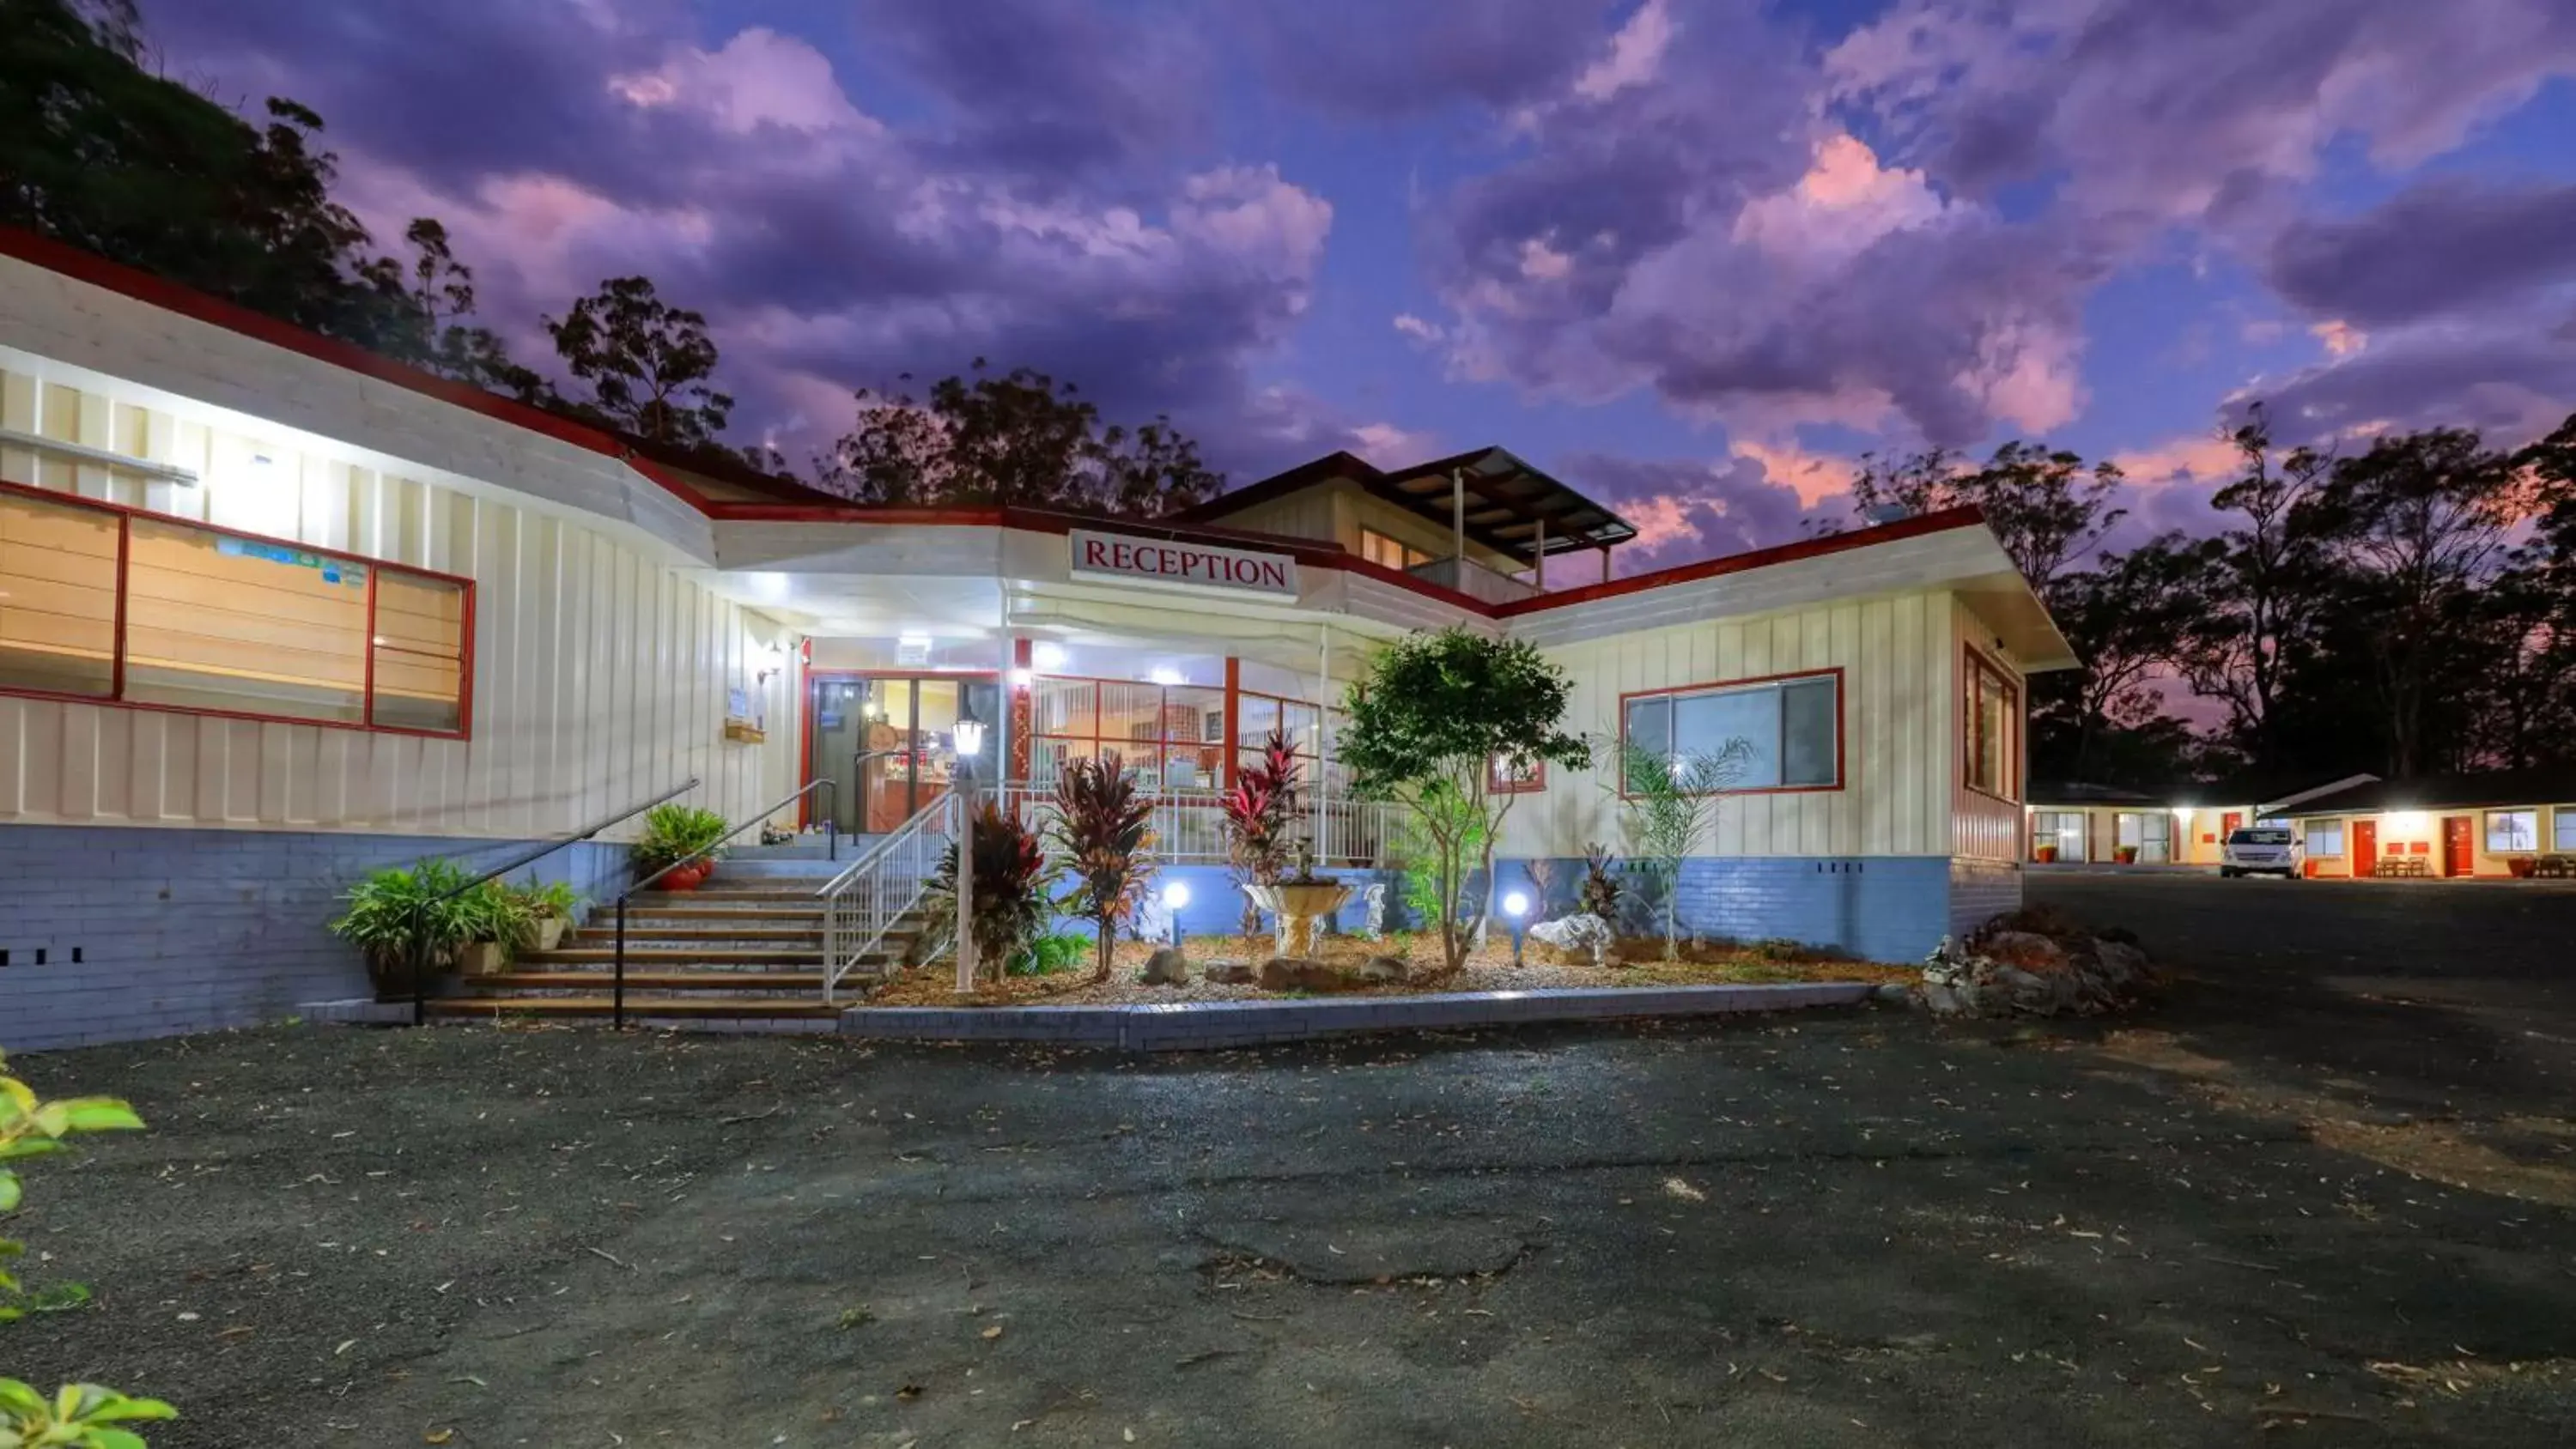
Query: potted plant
[551, 910]
[401, 919]
[676, 832]
[494, 921]
[2124, 855]
[1260, 811]
[2044, 854]
[2521, 866]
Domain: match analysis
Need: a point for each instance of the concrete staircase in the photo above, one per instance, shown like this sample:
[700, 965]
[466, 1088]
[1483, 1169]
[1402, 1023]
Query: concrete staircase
[746, 945]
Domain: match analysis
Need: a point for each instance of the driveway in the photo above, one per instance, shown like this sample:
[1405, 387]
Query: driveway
[2439, 994]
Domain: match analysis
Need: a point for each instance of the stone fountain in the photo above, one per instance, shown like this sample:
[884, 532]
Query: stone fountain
[1298, 901]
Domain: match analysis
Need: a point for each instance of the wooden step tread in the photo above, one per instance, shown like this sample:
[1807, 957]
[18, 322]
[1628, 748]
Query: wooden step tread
[646, 981]
[648, 954]
[696, 931]
[694, 1006]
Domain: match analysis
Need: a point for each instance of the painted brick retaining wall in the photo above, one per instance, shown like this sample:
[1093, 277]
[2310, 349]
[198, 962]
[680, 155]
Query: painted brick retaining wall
[191, 930]
[1981, 890]
[1880, 908]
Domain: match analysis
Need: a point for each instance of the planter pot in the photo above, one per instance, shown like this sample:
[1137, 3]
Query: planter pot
[2125, 855]
[685, 878]
[390, 973]
[2045, 855]
[2521, 866]
[482, 958]
[551, 931]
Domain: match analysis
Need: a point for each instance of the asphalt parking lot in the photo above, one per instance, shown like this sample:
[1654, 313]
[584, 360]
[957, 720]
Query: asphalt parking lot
[2322, 1194]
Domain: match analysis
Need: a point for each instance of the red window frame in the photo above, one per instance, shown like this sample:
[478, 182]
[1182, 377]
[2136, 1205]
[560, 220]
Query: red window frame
[1972, 726]
[1842, 762]
[125, 515]
[1533, 783]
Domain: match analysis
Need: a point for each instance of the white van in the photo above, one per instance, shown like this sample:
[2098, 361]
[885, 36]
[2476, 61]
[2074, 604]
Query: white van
[2260, 850]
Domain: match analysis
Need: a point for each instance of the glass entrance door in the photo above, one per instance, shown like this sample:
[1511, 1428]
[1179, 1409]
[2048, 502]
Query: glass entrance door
[896, 738]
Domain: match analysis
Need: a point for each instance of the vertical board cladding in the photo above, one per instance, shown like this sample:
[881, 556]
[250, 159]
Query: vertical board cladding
[600, 676]
[113, 934]
[1983, 826]
[1897, 730]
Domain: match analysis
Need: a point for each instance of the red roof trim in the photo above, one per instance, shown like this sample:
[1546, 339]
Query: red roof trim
[1965, 516]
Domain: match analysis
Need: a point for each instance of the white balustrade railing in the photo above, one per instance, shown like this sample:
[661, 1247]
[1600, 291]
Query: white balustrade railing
[1189, 825]
[864, 903]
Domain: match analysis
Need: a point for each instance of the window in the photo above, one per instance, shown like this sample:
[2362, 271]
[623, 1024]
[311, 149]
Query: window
[2325, 837]
[1172, 736]
[2145, 833]
[112, 604]
[2512, 830]
[1790, 729]
[2062, 830]
[2566, 830]
[1990, 726]
[1505, 776]
[1378, 548]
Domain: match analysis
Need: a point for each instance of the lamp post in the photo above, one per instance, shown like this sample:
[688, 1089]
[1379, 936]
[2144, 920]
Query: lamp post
[1516, 905]
[1176, 895]
[968, 735]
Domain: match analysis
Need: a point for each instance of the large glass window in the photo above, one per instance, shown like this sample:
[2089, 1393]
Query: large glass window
[1378, 548]
[105, 603]
[1789, 729]
[2061, 830]
[2512, 830]
[2145, 833]
[1171, 735]
[1990, 719]
[2325, 838]
[2566, 830]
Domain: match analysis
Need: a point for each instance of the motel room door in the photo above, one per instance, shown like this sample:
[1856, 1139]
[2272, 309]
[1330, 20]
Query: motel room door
[2459, 845]
[2365, 847]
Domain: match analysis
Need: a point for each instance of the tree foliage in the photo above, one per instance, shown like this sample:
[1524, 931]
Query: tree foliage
[647, 362]
[1427, 725]
[1022, 439]
[1667, 803]
[1014, 883]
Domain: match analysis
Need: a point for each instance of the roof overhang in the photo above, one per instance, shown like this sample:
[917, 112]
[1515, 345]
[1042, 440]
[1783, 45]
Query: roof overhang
[1511, 507]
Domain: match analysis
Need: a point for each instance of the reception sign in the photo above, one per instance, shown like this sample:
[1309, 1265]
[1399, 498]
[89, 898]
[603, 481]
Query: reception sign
[1126, 559]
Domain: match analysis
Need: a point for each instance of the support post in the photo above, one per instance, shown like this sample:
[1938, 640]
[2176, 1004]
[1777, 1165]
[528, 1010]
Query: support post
[1320, 833]
[1458, 524]
[1230, 737]
[966, 892]
[1605, 563]
[1538, 560]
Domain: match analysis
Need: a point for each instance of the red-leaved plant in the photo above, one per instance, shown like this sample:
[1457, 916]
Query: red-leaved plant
[1011, 880]
[1260, 813]
[1102, 826]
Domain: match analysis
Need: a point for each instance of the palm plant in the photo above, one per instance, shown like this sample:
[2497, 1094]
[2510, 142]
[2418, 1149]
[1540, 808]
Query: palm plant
[1260, 814]
[1012, 874]
[1102, 827]
[1669, 802]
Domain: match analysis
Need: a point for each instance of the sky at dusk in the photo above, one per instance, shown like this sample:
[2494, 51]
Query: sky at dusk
[1693, 256]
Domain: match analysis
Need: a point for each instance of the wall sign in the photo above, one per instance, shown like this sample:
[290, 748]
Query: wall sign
[1126, 559]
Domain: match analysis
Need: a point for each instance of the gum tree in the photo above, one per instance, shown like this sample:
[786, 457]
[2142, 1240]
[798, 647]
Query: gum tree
[1427, 727]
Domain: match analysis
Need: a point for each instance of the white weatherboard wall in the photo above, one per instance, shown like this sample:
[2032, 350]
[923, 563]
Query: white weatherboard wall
[1897, 730]
[600, 676]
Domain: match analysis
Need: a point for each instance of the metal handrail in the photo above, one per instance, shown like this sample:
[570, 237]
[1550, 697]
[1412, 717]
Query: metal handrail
[420, 977]
[903, 837]
[617, 989]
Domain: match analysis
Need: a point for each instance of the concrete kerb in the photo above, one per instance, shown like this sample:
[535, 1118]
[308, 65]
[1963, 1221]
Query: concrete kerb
[1203, 1026]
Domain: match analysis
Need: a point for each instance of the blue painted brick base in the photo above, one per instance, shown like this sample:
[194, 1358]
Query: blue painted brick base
[1879, 908]
[189, 930]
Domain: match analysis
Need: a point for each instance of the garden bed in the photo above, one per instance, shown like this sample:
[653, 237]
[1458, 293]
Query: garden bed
[1640, 964]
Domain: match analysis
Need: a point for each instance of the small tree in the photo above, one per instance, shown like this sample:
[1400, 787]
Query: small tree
[1260, 816]
[1667, 802]
[1012, 875]
[81, 1415]
[648, 363]
[1427, 727]
[1103, 826]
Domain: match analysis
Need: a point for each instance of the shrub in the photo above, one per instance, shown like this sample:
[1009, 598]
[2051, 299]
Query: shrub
[1668, 801]
[394, 912]
[1260, 817]
[1012, 877]
[80, 1416]
[675, 832]
[1599, 893]
[1047, 955]
[1102, 825]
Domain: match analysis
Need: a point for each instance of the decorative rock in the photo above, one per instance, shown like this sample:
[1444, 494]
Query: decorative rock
[1382, 971]
[1153, 919]
[1582, 932]
[1232, 973]
[1167, 967]
[2122, 964]
[2027, 950]
[1299, 973]
[1894, 993]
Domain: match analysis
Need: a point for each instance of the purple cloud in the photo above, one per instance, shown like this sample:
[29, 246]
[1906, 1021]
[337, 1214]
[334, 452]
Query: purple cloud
[1685, 509]
[1391, 60]
[2439, 247]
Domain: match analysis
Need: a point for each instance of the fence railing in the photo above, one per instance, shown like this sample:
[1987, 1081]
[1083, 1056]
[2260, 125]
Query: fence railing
[1189, 825]
[862, 904]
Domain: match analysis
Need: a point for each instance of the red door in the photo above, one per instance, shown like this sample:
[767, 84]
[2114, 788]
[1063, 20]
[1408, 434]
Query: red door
[2230, 823]
[2459, 845]
[2365, 847]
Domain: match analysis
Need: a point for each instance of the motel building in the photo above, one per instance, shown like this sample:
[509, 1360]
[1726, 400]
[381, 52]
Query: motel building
[2492, 825]
[275, 612]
